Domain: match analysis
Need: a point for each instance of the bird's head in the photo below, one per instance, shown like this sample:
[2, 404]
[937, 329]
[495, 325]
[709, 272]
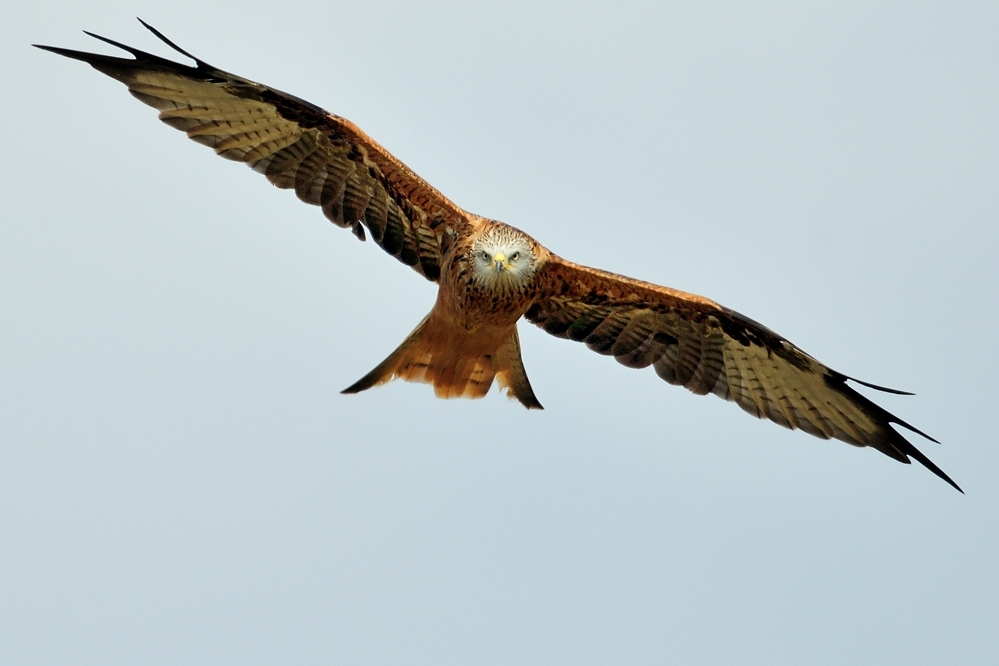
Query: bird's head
[503, 258]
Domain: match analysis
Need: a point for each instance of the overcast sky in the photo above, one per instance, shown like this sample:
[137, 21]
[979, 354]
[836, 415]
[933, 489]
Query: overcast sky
[182, 483]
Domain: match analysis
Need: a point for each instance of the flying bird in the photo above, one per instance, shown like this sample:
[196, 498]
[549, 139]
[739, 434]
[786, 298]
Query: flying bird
[490, 274]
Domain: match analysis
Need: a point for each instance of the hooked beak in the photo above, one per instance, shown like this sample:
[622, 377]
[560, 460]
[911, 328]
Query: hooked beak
[499, 263]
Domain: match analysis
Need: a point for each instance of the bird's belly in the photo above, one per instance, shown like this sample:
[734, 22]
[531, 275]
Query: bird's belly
[485, 313]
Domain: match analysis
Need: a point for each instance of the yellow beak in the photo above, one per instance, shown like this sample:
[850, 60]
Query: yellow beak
[499, 263]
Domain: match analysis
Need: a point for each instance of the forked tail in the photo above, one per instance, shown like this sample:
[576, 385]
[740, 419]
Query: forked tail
[459, 366]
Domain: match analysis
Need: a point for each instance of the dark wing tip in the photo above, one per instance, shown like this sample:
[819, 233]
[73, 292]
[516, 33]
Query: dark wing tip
[895, 443]
[917, 455]
[168, 42]
[884, 389]
[840, 379]
[110, 64]
[895, 419]
[889, 441]
[69, 53]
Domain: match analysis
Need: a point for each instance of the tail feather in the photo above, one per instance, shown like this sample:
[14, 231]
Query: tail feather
[390, 367]
[471, 378]
[435, 357]
[512, 376]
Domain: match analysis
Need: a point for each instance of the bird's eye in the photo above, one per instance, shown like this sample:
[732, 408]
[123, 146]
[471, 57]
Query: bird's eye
[485, 255]
[515, 256]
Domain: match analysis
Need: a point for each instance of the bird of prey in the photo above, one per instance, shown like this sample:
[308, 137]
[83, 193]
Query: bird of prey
[490, 274]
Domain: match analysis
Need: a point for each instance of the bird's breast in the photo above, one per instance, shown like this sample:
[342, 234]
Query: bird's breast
[473, 305]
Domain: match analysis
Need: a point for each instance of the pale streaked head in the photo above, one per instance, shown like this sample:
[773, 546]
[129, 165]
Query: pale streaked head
[503, 258]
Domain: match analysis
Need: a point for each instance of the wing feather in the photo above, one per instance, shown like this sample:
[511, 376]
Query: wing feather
[327, 160]
[693, 342]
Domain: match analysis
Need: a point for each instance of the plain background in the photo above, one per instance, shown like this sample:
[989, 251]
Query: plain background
[182, 483]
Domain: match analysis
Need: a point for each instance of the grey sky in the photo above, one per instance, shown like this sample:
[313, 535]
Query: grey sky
[181, 481]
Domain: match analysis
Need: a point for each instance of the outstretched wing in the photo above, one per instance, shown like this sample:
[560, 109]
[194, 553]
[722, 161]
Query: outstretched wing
[327, 160]
[693, 342]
